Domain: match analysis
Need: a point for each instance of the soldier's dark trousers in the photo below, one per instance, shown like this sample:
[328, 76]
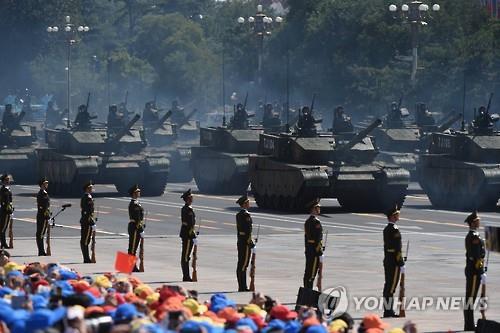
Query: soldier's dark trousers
[473, 280]
[134, 238]
[392, 273]
[187, 247]
[312, 266]
[85, 237]
[41, 228]
[5, 221]
[241, 268]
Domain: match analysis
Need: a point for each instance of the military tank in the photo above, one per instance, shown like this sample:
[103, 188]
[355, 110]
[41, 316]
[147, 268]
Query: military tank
[291, 170]
[74, 156]
[175, 140]
[220, 163]
[461, 169]
[18, 145]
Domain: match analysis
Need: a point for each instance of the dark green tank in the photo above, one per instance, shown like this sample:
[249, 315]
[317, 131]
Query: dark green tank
[18, 145]
[462, 168]
[176, 141]
[292, 170]
[74, 156]
[220, 163]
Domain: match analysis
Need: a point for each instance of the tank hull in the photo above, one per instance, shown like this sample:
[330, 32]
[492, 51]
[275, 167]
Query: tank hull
[68, 172]
[407, 161]
[20, 163]
[460, 185]
[218, 172]
[284, 186]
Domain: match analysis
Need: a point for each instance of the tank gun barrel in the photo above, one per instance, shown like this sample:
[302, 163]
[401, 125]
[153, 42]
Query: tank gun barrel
[187, 118]
[450, 120]
[361, 135]
[162, 120]
[124, 130]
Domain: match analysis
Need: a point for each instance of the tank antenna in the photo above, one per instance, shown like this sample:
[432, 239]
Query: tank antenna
[463, 106]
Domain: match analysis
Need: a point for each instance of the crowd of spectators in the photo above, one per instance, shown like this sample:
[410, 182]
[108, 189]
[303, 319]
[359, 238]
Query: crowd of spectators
[52, 298]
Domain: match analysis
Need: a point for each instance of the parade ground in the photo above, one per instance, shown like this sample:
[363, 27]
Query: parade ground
[353, 257]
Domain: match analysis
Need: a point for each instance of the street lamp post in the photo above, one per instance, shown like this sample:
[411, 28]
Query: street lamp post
[415, 13]
[261, 26]
[71, 31]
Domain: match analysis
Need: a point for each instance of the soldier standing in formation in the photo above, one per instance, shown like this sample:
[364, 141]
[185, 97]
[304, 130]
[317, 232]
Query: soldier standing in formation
[87, 222]
[6, 209]
[187, 233]
[83, 118]
[393, 260]
[136, 223]
[115, 119]
[313, 237]
[245, 242]
[42, 215]
[474, 268]
[150, 114]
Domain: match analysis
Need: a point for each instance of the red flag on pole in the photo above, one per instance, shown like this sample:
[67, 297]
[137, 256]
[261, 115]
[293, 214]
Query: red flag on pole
[125, 262]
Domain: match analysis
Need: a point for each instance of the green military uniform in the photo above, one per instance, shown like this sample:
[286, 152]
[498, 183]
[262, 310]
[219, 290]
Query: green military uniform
[244, 245]
[87, 222]
[6, 210]
[474, 269]
[313, 241]
[393, 261]
[136, 223]
[187, 234]
[42, 217]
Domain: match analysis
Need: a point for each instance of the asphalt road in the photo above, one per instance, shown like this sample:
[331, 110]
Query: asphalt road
[216, 215]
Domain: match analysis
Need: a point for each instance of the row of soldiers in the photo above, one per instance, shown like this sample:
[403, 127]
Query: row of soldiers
[394, 261]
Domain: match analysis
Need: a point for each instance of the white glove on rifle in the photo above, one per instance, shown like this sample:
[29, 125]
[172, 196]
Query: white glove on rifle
[321, 258]
[402, 269]
[94, 228]
[254, 250]
[142, 234]
[195, 241]
[483, 278]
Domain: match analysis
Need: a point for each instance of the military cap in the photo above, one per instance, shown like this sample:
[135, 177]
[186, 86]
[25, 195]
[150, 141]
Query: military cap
[87, 184]
[4, 176]
[392, 211]
[186, 194]
[313, 203]
[472, 217]
[134, 189]
[42, 180]
[242, 200]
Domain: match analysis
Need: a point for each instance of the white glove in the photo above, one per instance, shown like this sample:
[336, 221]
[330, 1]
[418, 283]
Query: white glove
[321, 258]
[403, 269]
[142, 234]
[254, 250]
[483, 278]
[195, 241]
[94, 228]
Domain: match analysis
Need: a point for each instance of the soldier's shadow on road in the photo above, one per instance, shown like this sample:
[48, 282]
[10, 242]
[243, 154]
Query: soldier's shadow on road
[430, 207]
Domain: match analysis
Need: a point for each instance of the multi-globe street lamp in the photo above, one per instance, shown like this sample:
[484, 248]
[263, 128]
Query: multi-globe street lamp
[71, 32]
[415, 13]
[261, 26]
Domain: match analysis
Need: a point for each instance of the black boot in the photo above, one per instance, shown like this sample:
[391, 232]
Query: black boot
[242, 285]
[469, 320]
[39, 244]
[185, 272]
[85, 253]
